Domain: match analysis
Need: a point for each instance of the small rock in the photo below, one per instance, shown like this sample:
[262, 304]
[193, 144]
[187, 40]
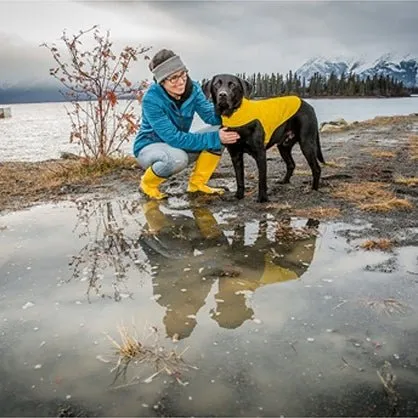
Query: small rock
[69, 156]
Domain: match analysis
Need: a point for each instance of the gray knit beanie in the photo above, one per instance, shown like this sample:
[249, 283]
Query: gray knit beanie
[168, 67]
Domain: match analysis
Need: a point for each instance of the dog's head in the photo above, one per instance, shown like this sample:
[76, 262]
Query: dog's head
[226, 92]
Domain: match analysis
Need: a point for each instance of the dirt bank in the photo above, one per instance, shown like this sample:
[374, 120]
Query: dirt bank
[371, 173]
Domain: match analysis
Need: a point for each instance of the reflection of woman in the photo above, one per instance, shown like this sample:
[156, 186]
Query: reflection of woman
[182, 277]
[192, 254]
[164, 146]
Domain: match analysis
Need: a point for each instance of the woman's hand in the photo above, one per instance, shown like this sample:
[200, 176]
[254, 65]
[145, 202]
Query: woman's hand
[228, 137]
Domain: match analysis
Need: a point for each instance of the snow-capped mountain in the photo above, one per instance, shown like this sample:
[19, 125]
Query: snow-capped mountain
[401, 67]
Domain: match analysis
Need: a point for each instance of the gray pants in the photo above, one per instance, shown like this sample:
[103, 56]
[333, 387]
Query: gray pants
[166, 160]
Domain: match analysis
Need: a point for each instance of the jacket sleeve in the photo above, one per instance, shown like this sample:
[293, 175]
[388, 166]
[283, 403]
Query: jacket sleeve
[171, 135]
[206, 110]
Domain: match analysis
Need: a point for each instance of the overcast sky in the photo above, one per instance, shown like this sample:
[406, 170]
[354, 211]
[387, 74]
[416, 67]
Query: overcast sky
[211, 37]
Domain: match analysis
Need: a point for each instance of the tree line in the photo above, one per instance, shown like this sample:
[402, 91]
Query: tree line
[347, 85]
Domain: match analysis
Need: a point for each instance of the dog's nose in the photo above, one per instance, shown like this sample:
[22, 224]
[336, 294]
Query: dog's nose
[222, 94]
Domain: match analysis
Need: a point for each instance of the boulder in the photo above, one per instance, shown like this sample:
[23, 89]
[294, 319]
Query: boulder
[334, 126]
[69, 156]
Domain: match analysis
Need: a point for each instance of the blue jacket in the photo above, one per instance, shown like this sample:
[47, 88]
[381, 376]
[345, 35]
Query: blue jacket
[163, 121]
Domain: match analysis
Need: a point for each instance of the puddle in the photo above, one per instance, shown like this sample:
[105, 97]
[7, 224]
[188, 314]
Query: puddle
[288, 318]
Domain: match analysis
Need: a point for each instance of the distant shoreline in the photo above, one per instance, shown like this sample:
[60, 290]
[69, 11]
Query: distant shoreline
[359, 97]
[257, 98]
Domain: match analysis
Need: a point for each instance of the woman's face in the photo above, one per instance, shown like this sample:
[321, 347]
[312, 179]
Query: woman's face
[175, 85]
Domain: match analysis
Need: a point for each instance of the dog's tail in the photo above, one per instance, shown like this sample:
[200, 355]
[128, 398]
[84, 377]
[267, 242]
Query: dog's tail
[318, 149]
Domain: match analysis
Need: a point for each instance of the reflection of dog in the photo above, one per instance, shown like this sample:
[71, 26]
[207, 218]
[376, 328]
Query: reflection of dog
[279, 262]
[280, 121]
[191, 255]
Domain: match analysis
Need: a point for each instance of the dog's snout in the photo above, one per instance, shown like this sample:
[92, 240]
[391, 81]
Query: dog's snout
[222, 94]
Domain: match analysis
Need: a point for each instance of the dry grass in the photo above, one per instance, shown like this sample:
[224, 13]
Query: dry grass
[371, 196]
[302, 172]
[389, 382]
[20, 181]
[358, 192]
[382, 154]
[318, 212]
[389, 307]
[85, 169]
[279, 206]
[388, 120]
[131, 350]
[286, 232]
[387, 206]
[413, 147]
[407, 181]
[383, 244]
[334, 164]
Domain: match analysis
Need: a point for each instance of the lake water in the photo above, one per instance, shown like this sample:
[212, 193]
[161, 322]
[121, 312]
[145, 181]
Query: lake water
[41, 131]
[275, 326]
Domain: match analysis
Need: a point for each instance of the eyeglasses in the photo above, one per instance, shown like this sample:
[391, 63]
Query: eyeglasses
[174, 79]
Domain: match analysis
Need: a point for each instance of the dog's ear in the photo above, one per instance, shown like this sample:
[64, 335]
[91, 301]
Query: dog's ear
[207, 88]
[247, 87]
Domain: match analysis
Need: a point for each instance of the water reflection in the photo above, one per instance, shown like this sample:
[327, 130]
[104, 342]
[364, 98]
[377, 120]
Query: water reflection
[190, 255]
[104, 224]
[187, 253]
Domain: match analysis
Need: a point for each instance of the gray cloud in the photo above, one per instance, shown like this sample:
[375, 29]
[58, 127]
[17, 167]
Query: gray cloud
[251, 36]
[278, 35]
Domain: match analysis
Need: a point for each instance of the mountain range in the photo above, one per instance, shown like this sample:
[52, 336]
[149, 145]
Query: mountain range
[401, 67]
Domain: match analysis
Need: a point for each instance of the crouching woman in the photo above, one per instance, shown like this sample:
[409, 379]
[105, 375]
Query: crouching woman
[164, 144]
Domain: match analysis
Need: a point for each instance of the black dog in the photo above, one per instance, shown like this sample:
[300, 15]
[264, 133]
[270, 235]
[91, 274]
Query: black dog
[280, 121]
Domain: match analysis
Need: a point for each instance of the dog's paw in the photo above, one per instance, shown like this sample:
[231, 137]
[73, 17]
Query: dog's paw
[239, 194]
[262, 199]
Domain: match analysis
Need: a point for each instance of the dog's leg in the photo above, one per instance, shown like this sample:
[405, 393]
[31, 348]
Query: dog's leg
[310, 155]
[261, 160]
[238, 163]
[286, 153]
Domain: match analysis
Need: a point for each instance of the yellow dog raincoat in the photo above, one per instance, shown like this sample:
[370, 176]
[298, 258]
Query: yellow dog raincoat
[270, 112]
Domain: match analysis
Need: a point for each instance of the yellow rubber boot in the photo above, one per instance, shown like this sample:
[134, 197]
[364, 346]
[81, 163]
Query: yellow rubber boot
[149, 184]
[156, 219]
[206, 223]
[202, 172]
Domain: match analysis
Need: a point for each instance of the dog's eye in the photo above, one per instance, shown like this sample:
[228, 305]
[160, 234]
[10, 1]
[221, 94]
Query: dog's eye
[218, 83]
[231, 84]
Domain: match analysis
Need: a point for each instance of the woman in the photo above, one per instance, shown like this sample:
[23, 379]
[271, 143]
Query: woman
[164, 146]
